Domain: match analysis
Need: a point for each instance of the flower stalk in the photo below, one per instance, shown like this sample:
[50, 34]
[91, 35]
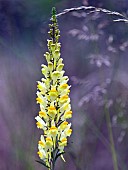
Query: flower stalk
[53, 98]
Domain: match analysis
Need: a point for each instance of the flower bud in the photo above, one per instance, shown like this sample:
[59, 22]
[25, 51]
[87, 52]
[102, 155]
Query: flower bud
[56, 54]
[53, 46]
[47, 56]
[50, 66]
[60, 67]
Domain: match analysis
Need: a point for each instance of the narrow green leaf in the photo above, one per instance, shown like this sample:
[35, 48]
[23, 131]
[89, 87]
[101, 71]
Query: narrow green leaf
[57, 156]
[43, 163]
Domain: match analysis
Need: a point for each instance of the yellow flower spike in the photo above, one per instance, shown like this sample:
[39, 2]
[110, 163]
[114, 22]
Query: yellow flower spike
[53, 98]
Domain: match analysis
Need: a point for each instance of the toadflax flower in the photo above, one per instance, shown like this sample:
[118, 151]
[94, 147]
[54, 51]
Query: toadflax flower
[53, 97]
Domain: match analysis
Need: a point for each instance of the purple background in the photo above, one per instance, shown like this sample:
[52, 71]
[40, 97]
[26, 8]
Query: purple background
[94, 49]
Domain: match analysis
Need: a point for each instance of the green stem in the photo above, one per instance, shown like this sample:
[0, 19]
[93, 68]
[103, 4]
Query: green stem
[53, 166]
[112, 145]
[109, 126]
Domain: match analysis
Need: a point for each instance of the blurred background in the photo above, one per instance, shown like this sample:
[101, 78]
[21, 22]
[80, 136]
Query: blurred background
[95, 53]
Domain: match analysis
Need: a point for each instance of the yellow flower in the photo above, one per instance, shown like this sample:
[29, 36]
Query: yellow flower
[42, 114]
[63, 86]
[67, 114]
[64, 80]
[64, 92]
[53, 93]
[49, 143]
[66, 106]
[63, 142]
[63, 99]
[53, 131]
[41, 87]
[42, 144]
[40, 154]
[63, 125]
[40, 123]
[40, 99]
[46, 82]
[68, 132]
[55, 75]
[52, 111]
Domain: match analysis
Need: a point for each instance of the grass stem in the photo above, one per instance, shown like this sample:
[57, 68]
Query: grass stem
[112, 145]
